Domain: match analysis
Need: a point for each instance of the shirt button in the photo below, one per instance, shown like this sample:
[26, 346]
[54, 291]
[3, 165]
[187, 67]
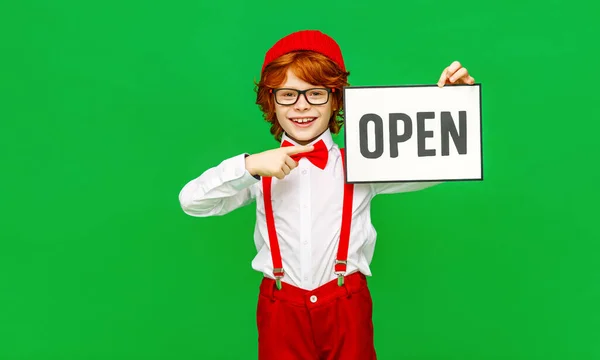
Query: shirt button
[313, 299]
[304, 172]
[306, 243]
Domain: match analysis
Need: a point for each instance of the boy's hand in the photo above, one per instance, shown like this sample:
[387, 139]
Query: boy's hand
[277, 162]
[455, 74]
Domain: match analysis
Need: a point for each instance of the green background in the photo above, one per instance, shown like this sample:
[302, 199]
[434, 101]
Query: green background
[108, 108]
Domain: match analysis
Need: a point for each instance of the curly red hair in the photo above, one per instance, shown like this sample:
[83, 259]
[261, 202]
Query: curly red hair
[312, 67]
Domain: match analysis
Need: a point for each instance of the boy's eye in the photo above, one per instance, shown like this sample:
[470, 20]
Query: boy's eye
[289, 94]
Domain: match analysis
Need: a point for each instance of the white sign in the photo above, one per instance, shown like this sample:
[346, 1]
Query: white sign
[413, 133]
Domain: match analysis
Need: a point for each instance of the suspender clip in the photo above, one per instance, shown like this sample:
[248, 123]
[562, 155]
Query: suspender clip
[341, 274]
[278, 273]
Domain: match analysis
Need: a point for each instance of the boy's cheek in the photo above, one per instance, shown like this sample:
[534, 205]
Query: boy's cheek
[280, 115]
[280, 119]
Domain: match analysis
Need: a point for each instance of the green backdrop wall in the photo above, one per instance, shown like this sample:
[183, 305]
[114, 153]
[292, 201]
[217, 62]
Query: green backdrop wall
[109, 108]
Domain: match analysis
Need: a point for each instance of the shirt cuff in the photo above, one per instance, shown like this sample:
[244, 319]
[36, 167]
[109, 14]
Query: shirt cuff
[233, 172]
[257, 177]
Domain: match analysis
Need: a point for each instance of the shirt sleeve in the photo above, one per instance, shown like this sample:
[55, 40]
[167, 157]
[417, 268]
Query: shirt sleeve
[220, 190]
[393, 188]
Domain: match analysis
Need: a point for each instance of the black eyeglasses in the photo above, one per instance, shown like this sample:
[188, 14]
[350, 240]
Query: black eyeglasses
[314, 96]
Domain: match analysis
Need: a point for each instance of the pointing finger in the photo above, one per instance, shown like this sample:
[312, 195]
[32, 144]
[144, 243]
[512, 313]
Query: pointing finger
[291, 150]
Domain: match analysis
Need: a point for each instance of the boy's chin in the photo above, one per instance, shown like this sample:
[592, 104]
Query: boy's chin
[305, 137]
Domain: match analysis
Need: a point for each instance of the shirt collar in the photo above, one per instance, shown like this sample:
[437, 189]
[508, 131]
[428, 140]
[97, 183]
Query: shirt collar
[325, 136]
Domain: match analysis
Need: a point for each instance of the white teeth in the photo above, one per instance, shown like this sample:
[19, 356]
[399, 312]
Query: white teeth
[303, 120]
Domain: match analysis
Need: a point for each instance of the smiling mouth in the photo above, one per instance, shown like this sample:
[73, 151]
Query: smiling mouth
[305, 120]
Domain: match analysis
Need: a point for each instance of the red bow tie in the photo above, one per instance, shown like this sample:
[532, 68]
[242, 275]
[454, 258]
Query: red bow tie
[318, 157]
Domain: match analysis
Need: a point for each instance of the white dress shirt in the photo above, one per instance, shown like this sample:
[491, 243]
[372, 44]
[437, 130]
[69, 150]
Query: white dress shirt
[307, 208]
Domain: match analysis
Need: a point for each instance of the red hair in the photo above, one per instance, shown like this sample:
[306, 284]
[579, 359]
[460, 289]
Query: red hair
[309, 66]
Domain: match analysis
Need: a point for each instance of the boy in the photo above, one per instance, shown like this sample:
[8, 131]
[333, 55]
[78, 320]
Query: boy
[315, 247]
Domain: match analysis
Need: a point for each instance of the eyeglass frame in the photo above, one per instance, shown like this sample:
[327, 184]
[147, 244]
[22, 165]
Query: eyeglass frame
[300, 93]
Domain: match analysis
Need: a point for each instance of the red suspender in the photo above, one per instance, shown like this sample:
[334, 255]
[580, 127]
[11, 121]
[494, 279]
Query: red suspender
[275, 252]
[342, 255]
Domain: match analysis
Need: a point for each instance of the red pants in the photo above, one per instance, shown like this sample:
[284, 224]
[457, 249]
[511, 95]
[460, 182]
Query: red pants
[328, 323]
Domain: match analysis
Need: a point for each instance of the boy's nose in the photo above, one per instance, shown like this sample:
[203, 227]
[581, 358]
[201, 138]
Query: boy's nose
[302, 103]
